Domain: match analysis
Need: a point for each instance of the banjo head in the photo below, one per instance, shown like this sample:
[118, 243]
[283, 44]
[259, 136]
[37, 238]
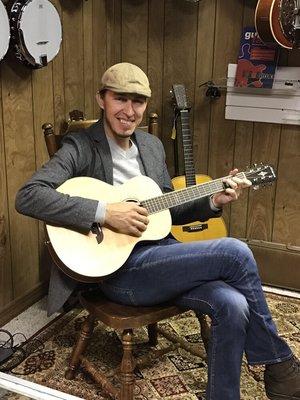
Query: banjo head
[36, 32]
[4, 31]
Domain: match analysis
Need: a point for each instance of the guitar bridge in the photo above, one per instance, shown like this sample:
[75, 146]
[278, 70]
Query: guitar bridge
[195, 228]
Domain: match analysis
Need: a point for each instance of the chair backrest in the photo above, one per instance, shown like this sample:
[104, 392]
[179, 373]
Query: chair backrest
[77, 122]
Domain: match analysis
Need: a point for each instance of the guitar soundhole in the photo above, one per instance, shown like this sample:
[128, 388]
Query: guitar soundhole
[287, 18]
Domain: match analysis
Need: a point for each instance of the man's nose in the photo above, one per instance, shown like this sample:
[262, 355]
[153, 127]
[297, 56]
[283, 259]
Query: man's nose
[128, 107]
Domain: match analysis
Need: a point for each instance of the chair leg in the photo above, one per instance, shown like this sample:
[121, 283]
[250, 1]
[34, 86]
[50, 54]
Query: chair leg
[152, 333]
[127, 366]
[80, 347]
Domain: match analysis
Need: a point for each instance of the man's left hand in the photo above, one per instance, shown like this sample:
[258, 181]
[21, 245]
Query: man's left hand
[233, 192]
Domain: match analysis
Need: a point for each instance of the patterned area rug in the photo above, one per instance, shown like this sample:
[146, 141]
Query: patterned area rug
[176, 376]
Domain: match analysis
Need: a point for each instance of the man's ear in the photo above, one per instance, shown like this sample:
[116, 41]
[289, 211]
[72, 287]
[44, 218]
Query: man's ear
[99, 100]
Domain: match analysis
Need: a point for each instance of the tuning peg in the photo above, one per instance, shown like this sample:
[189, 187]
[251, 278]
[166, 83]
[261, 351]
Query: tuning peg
[255, 187]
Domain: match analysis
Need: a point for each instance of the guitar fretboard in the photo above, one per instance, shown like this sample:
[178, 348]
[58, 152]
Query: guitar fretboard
[190, 175]
[178, 197]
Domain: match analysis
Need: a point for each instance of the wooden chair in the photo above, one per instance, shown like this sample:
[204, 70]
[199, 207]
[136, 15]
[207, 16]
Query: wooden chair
[77, 122]
[117, 316]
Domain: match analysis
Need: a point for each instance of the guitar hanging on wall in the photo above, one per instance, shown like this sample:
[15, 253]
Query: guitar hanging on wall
[215, 227]
[4, 31]
[278, 22]
[36, 32]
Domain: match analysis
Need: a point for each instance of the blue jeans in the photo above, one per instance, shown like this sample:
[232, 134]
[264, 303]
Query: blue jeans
[215, 277]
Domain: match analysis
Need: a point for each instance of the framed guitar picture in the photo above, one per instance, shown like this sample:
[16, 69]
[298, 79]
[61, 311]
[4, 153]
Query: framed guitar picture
[4, 31]
[36, 32]
[215, 227]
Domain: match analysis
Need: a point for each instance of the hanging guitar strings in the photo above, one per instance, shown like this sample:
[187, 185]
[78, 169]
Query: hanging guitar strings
[194, 230]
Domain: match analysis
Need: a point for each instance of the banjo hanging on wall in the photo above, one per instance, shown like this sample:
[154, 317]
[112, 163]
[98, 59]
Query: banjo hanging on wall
[4, 31]
[36, 32]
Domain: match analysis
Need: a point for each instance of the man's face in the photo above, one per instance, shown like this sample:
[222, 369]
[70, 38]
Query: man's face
[122, 112]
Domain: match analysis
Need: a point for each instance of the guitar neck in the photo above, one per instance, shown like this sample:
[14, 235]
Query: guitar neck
[190, 176]
[178, 197]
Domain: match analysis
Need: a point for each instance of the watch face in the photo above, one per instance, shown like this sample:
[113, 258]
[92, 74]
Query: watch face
[4, 31]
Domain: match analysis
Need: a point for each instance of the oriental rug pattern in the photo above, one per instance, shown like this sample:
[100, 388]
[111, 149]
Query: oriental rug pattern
[176, 376]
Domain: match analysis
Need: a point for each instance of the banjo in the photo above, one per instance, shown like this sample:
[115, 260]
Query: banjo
[36, 32]
[4, 31]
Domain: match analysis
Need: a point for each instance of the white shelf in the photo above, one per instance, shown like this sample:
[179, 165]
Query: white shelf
[281, 104]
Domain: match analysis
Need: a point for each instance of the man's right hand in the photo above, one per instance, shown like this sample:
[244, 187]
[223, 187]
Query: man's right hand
[127, 217]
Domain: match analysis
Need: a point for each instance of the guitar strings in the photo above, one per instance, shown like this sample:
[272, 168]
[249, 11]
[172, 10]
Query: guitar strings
[181, 196]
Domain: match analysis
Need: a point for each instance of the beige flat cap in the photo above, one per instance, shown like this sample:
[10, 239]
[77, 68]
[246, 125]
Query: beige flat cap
[126, 78]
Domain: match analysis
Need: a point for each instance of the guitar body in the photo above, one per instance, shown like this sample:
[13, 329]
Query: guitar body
[83, 258]
[268, 23]
[212, 229]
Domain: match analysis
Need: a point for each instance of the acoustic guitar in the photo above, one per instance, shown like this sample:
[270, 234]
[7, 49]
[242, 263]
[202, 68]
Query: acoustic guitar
[89, 257]
[215, 227]
[278, 22]
[4, 31]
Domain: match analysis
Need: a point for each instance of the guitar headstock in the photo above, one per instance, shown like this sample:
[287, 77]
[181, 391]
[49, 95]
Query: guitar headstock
[261, 175]
[179, 93]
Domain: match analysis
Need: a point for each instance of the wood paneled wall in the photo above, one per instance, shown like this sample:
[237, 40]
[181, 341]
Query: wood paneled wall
[174, 41]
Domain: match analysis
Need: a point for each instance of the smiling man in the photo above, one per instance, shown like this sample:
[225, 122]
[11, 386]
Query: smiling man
[123, 95]
[216, 277]
[123, 114]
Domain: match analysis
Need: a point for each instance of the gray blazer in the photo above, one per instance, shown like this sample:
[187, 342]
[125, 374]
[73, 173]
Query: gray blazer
[87, 153]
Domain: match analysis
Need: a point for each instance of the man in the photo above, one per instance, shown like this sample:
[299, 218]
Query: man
[217, 277]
